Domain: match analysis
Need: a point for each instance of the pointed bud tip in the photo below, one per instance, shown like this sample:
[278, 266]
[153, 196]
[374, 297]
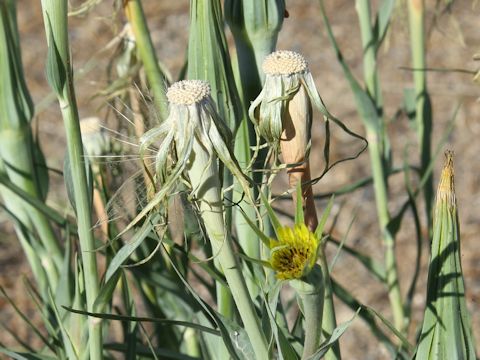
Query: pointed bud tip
[446, 186]
[284, 62]
[188, 92]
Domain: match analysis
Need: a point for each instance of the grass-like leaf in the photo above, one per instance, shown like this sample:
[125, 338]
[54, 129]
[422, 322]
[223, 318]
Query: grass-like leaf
[144, 319]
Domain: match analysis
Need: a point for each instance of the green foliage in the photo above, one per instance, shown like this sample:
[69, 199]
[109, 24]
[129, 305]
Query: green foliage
[211, 284]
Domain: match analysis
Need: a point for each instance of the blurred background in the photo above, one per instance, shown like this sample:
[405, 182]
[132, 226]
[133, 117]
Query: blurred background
[453, 40]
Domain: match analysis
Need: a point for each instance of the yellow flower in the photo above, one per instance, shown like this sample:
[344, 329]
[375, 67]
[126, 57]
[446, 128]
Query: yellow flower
[294, 254]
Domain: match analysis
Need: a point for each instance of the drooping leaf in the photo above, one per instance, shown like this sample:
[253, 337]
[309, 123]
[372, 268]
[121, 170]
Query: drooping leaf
[143, 319]
[124, 253]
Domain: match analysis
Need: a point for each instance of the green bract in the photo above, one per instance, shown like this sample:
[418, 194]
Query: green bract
[446, 332]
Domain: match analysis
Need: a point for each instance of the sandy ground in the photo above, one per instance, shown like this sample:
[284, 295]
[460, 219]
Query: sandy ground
[453, 41]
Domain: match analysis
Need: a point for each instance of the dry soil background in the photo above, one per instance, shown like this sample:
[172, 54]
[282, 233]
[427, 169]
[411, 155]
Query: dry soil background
[452, 42]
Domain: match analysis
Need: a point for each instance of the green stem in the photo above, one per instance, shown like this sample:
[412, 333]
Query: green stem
[379, 160]
[250, 57]
[311, 294]
[83, 211]
[249, 87]
[60, 77]
[247, 238]
[329, 322]
[369, 47]
[208, 59]
[212, 210]
[225, 303]
[136, 17]
[383, 214]
[423, 113]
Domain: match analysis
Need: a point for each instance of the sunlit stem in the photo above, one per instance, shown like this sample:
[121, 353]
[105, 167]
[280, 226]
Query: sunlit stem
[329, 322]
[136, 17]
[423, 113]
[383, 214]
[204, 178]
[311, 295]
[378, 158]
[61, 80]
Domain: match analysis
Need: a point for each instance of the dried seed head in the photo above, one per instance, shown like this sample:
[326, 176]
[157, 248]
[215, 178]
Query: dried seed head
[284, 62]
[192, 127]
[188, 92]
[446, 186]
[287, 76]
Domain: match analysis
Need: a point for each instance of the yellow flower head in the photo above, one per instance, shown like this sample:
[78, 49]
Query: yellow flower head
[294, 254]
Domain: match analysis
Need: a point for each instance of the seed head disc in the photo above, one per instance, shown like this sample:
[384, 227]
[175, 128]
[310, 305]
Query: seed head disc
[284, 62]
[188, 92]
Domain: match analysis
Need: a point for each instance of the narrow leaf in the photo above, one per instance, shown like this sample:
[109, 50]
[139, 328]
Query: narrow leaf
[144, 319]
[323, 219]
[299, 216]
[271, 214]
[124, 253]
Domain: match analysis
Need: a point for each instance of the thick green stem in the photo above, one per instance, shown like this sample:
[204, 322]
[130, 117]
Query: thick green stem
[245, 234]
[83, 212]
[225, 303]
[204, 176]
[423, 113]
[60, 77]
[311, 294]
[136, 18]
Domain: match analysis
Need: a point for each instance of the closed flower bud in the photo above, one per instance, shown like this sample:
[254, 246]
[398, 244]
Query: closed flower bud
[446, 332]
